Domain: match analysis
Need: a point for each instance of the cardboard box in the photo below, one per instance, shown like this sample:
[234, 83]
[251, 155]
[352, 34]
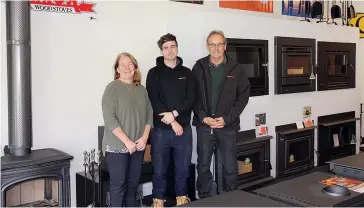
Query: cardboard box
[244, 168]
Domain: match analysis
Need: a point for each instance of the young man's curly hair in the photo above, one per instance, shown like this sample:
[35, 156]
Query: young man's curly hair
[165, 38]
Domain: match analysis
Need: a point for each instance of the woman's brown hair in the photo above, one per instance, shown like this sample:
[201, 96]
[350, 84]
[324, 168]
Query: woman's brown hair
[137, 74]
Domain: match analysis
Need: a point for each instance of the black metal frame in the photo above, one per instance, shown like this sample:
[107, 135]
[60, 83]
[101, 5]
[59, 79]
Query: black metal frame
[40, 164]
[246, 141]
[334, 82]
[286, 134]
[325, 125]
[293, 84]
[258, 85]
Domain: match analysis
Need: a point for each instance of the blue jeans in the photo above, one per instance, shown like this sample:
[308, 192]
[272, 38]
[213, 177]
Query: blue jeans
[162, 142]
[124, 170]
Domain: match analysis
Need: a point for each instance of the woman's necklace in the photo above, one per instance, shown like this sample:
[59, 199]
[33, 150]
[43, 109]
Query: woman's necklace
[125, 85]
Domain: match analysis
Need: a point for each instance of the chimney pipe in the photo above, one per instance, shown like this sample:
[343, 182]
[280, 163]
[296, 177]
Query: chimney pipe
[19, 77]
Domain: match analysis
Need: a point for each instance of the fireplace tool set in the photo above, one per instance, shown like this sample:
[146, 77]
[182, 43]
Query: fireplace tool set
[92, 162]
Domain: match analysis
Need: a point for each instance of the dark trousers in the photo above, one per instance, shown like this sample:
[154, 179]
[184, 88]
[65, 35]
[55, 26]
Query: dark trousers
[162, 142]
[225, 142]
[125, 171]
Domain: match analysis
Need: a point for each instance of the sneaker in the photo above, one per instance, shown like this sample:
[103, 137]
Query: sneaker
[158, 202]
[182, 200]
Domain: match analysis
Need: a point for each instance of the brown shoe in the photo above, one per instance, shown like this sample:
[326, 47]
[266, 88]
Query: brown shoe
[158, 202]
[182, 200]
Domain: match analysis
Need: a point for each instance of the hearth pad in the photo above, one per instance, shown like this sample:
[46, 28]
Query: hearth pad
[306, 191]
[236, 199]
[351, 166]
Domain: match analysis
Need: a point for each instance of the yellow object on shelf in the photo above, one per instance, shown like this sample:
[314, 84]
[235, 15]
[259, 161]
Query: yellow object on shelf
[291, 158]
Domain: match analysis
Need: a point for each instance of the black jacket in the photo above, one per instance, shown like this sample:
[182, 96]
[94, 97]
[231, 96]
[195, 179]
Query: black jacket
[234, 93]
[171, 89]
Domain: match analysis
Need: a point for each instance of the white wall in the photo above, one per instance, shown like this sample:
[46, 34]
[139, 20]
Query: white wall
[72, 59]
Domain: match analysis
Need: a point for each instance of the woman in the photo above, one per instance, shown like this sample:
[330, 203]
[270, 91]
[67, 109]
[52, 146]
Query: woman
[128, 119]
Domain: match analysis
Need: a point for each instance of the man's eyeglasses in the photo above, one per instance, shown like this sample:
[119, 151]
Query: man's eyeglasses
[215, 45]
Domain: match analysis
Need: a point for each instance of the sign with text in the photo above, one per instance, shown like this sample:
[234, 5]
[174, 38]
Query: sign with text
[65, 6]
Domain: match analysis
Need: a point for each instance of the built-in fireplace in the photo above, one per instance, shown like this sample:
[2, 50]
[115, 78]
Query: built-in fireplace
[336, 65]
[336, 136]
[294, 149]
[295, 65]
[253, 158]
[29, 177]
[252, 55]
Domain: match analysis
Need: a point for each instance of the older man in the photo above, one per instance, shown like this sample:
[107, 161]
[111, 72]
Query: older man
[223, 95]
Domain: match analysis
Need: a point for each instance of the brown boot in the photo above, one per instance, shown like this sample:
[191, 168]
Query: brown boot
[158, 202]
[182, 200]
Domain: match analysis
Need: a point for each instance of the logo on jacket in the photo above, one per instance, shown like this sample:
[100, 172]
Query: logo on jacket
[181, 77]
[230, 76]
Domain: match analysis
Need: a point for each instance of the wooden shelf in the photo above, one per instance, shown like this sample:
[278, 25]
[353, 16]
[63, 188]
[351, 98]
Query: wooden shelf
[242, 141]
[291, 131]
[342, 146]
[248, 136]
[339, 122]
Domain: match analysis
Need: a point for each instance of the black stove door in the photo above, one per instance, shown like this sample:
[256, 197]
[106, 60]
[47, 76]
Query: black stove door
[252, 55]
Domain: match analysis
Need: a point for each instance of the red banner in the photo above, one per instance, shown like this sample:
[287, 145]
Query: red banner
[72, 4]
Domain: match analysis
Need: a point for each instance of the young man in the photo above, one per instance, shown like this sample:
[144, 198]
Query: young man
[223, 95]
[172, 92]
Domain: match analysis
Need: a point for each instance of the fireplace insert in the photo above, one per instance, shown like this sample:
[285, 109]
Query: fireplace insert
[336, 65]
[336, 136]
[253, 56]
[253, 158]
[295, 65]
[295, 149]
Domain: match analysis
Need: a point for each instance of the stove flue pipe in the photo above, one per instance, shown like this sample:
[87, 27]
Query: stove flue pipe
[19, 77]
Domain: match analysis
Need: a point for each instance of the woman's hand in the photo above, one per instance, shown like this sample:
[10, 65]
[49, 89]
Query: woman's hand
[131, 146]
[141, 143]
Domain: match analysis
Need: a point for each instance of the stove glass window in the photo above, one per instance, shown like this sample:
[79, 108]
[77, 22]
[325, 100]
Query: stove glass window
[249, 58]
[298, 65]
[336, 64]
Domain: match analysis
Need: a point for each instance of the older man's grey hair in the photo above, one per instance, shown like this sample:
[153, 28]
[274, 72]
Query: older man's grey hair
[215, 32]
